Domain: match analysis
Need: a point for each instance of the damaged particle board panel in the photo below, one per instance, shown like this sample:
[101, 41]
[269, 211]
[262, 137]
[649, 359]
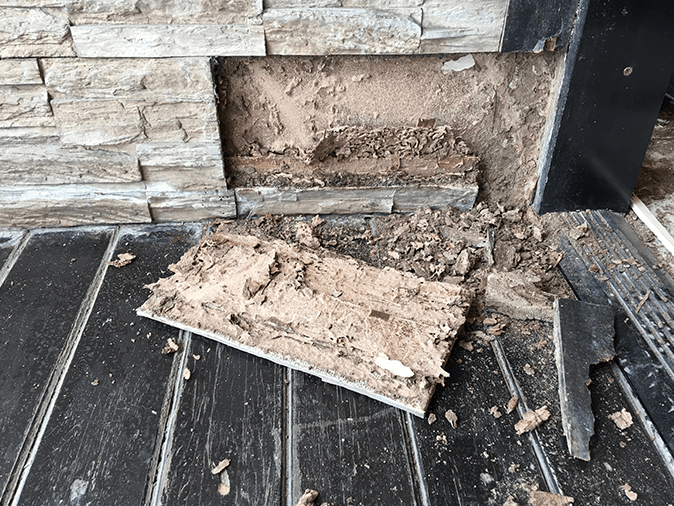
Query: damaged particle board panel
[380, 332]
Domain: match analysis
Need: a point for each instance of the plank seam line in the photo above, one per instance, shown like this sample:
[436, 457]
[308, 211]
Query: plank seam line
[289, 438]
[646, 422]
[416, 458]
[38, 427]
[162, 457]
[14, 256]
[514, 388]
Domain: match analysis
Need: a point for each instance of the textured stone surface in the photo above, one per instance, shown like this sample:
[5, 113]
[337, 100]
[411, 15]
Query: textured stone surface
[162, 12]
[28, 135]
[174, 79]
[34, 32]
[191, 205]
[458, 26]
[182, 165]
[24, 106]
[342, 31]
[291, 4]
[382, 4]
[28, 164]
[159, 41]
[107, 122]
[19, 71]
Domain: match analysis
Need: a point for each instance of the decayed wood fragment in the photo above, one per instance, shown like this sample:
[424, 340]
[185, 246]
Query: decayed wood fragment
[316, 313]
[583, 335]
[308, 498]
[540, 498]
[622, 419]
[531, 420]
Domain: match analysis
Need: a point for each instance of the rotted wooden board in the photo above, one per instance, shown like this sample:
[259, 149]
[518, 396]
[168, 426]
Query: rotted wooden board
[39, 301]
[103, 438]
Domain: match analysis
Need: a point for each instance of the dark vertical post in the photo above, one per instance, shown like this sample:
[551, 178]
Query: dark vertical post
[618, 65]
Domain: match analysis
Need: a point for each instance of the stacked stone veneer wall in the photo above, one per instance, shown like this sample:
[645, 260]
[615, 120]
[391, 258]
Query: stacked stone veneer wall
[107, 107]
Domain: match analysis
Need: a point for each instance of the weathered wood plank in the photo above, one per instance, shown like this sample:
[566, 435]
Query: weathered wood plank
[410, 199]
[342, 31]
[29, 164]
[161, 41]
[231, 407]
[68, 205]
[171, 205]
[19, 71]
[30, 32]
[29, 135]
[136, 78]
[481, 461]
[25, 106]
[457, 26]
[161, 12]
[109, 416]
[110, 122]
[349, 448]
[38, 305]
[183, 165]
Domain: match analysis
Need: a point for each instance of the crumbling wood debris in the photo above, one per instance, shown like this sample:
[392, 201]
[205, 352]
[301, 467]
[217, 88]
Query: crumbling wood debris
[308, 498]
[516, 294]
[171, 346]
[221, 466]
[531, 420]
[452, 418]
[583, 335]
[540, 498]
[622, 418]
[631, 495]
[122, 260]
[380, 332]
[512, 404]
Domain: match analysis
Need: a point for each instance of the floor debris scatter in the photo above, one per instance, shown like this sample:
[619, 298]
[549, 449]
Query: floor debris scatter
[122, 260]
[381, 332]
[583, 335]
[532, 419]
[631, 495]
[171, 347]
[622, 419]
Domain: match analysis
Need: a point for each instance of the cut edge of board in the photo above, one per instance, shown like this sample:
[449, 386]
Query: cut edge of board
[297, 365]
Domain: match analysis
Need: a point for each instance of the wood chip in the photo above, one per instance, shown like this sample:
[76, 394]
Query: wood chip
[632, 496]
[452, 418]
[171, 347]
[510, 501]
[540, 498]
[643, 300]
[122, 260]
[594, 268]
[512, 404]
[466, 345]
[490, 321]
[222, 465]
[186, 374]
[95, 382]
[529, 370]
[307, 498]
[623, 418]
[432, 418]
[531, 420]
[196, 357]
[495, 412]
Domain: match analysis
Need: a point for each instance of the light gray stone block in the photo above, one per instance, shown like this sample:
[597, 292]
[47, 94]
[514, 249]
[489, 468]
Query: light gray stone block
[29, 164]
[191, 205]
[34, 3]
[137, 78]
[162, 41]
[109, 122]
[29, 135]
[32, 32]
[458, 26]
[162, 12]
[24, 106]
[183, 165]
[342, 31]
[382, 4]
[19, 71]
[306, 4]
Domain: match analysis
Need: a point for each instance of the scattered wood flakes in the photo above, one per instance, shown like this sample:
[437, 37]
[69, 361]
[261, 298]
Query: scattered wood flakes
[531, 420]
[95, 382]
[529, 370]
[187, 374]
[495, 412]
[197, 357]
[632, 496]
[222, 465]
[432, 418]
[643, 300]
[452, 418]
[308, 498]
[510, 501]
[622, 418]
[466, 345]
[540, 498]
[171, 347]
[490, 321]
[122, 260]
[512, 404]
[594, 268]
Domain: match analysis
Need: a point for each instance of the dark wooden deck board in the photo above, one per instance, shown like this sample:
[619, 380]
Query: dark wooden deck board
[38, 305]
[100, 440]
[350, 448]
[617, 457]
[231, 407]
[483, 459]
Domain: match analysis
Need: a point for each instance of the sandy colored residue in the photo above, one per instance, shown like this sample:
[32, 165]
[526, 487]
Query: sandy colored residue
[333, 314]
[499, 106]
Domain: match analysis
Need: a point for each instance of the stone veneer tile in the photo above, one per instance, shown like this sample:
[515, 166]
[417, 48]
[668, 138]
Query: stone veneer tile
[29, 32]
[19, 71]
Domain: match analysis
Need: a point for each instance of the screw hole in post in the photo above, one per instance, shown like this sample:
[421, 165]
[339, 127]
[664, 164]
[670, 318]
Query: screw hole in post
[628, 71]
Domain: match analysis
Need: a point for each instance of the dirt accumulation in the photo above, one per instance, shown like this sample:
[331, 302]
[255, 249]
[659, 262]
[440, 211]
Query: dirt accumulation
[276, 111]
